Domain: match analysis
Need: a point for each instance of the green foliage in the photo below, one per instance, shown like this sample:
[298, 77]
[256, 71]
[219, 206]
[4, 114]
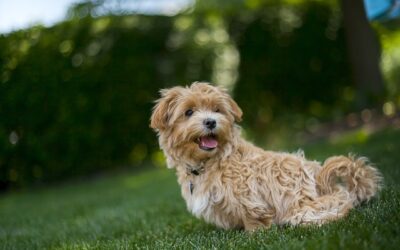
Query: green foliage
[145, 211]
[389, 35]
[76, 98]
[293, 61]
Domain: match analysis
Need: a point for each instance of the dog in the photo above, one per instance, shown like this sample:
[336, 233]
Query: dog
[231, 183]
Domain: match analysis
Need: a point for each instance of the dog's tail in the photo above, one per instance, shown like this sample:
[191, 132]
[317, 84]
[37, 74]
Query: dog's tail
[360, 179]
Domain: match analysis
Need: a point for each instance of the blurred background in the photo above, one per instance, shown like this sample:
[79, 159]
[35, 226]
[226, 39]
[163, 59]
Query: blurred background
[78, 79]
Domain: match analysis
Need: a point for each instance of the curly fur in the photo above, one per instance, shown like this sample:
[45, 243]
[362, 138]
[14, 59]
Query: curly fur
[239, 185]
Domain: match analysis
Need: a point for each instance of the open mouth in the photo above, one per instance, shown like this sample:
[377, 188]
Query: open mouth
[207, 142]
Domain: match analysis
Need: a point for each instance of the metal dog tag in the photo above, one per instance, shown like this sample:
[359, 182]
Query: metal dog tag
[191, 187]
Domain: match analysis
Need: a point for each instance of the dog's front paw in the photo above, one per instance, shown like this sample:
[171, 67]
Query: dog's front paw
[254, 225]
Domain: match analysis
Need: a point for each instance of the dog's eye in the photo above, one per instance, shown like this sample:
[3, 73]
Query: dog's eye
[189, 112]
[217, 110]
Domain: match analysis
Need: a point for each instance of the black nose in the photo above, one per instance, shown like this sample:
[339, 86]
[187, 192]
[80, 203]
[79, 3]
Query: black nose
[210, 123]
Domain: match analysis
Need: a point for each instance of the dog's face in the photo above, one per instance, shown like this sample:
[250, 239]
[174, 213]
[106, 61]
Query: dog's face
[196, 122]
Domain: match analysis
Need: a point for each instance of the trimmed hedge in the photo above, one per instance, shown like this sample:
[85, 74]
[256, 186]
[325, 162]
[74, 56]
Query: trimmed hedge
[293, 67]
[76, 98]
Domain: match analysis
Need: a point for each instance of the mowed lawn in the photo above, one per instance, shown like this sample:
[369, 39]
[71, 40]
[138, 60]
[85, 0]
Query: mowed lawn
[145, 210]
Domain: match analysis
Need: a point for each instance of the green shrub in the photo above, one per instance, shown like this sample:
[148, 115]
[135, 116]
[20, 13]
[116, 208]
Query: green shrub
[293, 61]
[76, 98]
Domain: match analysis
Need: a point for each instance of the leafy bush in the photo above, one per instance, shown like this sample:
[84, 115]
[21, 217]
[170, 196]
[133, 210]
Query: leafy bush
[76, 98]
[293, 61]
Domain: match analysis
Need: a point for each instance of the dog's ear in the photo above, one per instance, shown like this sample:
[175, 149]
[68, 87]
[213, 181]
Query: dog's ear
[235, 110]
[163, 108]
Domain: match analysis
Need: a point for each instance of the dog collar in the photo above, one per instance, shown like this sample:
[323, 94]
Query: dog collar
[193, 170]
[191, 187]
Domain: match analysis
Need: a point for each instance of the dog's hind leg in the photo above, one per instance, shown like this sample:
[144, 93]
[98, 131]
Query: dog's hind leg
[253, 224]
[256, 218]
[321, 209]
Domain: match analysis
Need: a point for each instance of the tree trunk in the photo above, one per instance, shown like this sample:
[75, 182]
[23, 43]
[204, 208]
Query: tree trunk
[364, 52]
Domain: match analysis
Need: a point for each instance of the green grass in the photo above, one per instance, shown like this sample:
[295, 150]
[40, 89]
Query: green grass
[145, 210]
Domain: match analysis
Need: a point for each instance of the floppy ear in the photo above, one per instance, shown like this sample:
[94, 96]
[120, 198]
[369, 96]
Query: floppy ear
[163, 108]
[236, 111]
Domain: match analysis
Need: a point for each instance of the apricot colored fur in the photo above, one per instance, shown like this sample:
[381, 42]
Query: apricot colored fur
[242, 186]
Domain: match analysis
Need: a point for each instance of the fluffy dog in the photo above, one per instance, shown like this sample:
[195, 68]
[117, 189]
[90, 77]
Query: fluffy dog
[234, 184]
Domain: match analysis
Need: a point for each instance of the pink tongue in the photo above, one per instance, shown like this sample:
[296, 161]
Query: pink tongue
[208, 142]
